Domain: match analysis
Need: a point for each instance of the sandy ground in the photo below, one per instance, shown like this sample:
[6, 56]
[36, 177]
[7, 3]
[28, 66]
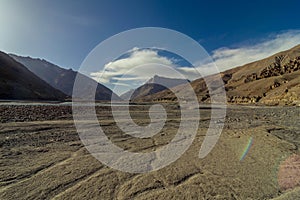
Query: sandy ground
[42, 157]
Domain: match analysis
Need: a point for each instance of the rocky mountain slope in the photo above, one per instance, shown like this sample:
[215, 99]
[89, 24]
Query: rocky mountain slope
[60, 78]
[127, 95]
[18, 83]
[146, 89]
[167, 82]
[271, 81]
[152, 86]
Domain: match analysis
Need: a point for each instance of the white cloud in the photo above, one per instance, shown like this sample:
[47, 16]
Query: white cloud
[122, 84]
[128, 78]
[226, 58]
[136, 58]
[115, 70]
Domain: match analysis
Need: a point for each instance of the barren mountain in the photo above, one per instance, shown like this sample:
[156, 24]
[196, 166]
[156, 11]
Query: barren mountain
[146, 89]
[17, 82]
[60, 78]
[271, 81]
[152, 86]
[167, 82]
[127, 95]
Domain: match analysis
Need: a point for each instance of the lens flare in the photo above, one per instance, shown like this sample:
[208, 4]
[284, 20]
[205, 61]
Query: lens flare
[247, 148]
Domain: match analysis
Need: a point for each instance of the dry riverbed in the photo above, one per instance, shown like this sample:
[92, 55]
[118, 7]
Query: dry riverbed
[257, 157]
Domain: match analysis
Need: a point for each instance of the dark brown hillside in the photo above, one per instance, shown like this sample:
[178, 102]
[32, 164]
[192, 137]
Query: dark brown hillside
[62, 79]
[17, 82]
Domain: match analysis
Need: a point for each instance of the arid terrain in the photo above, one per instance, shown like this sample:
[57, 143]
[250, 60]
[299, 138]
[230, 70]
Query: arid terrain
[149, 100]
[257, 156]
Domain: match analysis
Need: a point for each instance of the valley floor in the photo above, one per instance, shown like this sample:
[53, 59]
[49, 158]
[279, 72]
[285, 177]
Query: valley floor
[257, 157]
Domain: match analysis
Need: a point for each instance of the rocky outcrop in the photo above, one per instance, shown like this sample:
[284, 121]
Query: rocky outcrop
[281, 65]
[273, 84]
[244, 99]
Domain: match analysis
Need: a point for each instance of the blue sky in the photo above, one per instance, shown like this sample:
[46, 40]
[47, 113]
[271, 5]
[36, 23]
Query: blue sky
[65, 31]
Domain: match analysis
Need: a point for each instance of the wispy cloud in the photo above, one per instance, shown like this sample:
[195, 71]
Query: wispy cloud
[226, 58]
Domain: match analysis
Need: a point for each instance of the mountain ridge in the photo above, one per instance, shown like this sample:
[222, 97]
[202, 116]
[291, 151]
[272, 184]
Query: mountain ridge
[61, 78]
[152, 86]
[19, 83]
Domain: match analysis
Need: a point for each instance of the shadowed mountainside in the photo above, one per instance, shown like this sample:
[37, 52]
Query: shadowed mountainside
[18, 83]
[60, 78]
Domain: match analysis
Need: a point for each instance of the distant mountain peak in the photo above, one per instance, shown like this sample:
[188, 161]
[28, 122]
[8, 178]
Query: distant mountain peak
[167, 82]
[153, 85]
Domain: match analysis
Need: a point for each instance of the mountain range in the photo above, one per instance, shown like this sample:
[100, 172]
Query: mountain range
[62, 79]
[271, 81]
